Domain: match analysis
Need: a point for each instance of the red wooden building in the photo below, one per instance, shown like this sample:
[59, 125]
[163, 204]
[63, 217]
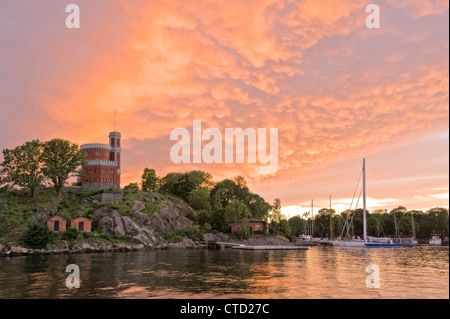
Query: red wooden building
[57, 223]
[253, 225]
[81, 224]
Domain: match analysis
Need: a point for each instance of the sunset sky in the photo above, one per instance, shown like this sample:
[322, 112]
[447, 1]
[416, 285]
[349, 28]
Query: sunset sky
[337, 91]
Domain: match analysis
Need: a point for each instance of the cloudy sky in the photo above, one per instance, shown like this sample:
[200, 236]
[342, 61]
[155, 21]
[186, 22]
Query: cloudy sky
[337, 91]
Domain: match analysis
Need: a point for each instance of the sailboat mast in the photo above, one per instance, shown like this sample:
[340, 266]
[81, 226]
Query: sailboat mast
[364, 199]
[331, 221]
[312, 217]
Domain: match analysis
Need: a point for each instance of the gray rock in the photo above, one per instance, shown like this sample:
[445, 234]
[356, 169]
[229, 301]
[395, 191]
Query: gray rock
[145, 237]
[109, 221]
[141, 218]
[188, 242]
[100, 198]
[46, 213]
[129, 225]
[171, 218]
[215, 237]
[88, 201]
[138, 206]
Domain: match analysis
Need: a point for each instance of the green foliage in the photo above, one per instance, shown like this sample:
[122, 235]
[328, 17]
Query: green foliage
[70, 234]
[297, 225]
[21, 166]
[236, 210]
[275, 214]
[194, 232]
[226, 191]
[283, 227]
[61, 160]
[149, 180]
[133, 187]
[199, 199]
[181, 184]
[37, 236]
[204, 217]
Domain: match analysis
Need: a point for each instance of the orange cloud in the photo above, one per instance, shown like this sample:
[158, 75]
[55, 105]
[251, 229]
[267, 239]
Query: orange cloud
[333, 88]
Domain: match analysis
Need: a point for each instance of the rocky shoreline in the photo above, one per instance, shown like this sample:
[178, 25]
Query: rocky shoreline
[13, 249]
[102, 246]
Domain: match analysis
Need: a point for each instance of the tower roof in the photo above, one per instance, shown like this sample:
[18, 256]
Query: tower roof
[114, 134]
[95, 146]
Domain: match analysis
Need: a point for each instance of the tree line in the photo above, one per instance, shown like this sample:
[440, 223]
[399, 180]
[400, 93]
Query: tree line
[399, 222]
[35, 164]
[217, 204]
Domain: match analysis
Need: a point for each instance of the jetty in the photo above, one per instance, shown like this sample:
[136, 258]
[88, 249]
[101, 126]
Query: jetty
[270, 247]
[220, 245]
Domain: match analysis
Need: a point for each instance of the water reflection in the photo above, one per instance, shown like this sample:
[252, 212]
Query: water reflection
[320, 272]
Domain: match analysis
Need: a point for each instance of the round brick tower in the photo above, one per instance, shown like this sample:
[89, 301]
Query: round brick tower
[102, 169]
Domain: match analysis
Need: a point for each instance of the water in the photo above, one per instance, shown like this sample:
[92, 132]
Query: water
[320, 272]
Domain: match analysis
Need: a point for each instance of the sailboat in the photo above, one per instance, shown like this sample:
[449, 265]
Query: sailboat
[367, 241]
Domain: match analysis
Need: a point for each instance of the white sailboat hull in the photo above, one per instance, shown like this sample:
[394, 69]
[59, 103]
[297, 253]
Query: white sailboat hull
[348, 243]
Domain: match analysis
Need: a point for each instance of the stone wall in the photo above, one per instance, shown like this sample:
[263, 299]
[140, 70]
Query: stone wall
[97, 185]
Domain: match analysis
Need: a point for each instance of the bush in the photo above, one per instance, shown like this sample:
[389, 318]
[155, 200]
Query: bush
[70, 234]
[37, 236]
[194, 232]
[241, 234]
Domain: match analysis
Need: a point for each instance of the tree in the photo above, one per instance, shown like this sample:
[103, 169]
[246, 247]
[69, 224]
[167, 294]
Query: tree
[223, 193]
[240, 181]
[276, 211]
[322, 222]
[37, 236]
[397, 214]
[259, 208]
[297, 225]
[237, 211]
[405, 226]
[131, 187]
[181, 184]
[439, 221]
[284, 227]
[149, 180]
[199, 199]
[21, 166]
[61, 160]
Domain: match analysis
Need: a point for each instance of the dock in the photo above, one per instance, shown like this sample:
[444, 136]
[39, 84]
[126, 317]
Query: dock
[221, 245]
[270, 247]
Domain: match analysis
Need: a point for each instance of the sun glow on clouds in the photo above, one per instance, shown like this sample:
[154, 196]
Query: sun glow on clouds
[339, 205]
[335, 89]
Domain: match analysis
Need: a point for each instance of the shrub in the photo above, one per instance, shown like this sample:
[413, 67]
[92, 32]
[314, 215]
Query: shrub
[37, 236]
[70, 234]
[194, 232]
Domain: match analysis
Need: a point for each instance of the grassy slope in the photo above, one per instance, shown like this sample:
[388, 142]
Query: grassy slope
[17, 208]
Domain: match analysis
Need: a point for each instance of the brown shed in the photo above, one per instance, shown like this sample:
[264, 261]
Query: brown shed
[81, 224]
[253, 224]
[57, 223]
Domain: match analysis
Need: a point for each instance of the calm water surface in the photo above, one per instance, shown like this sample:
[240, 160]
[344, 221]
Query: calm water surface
[320, 272]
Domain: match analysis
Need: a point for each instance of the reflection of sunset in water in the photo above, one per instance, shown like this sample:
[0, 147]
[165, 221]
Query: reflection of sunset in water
[319, 272]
